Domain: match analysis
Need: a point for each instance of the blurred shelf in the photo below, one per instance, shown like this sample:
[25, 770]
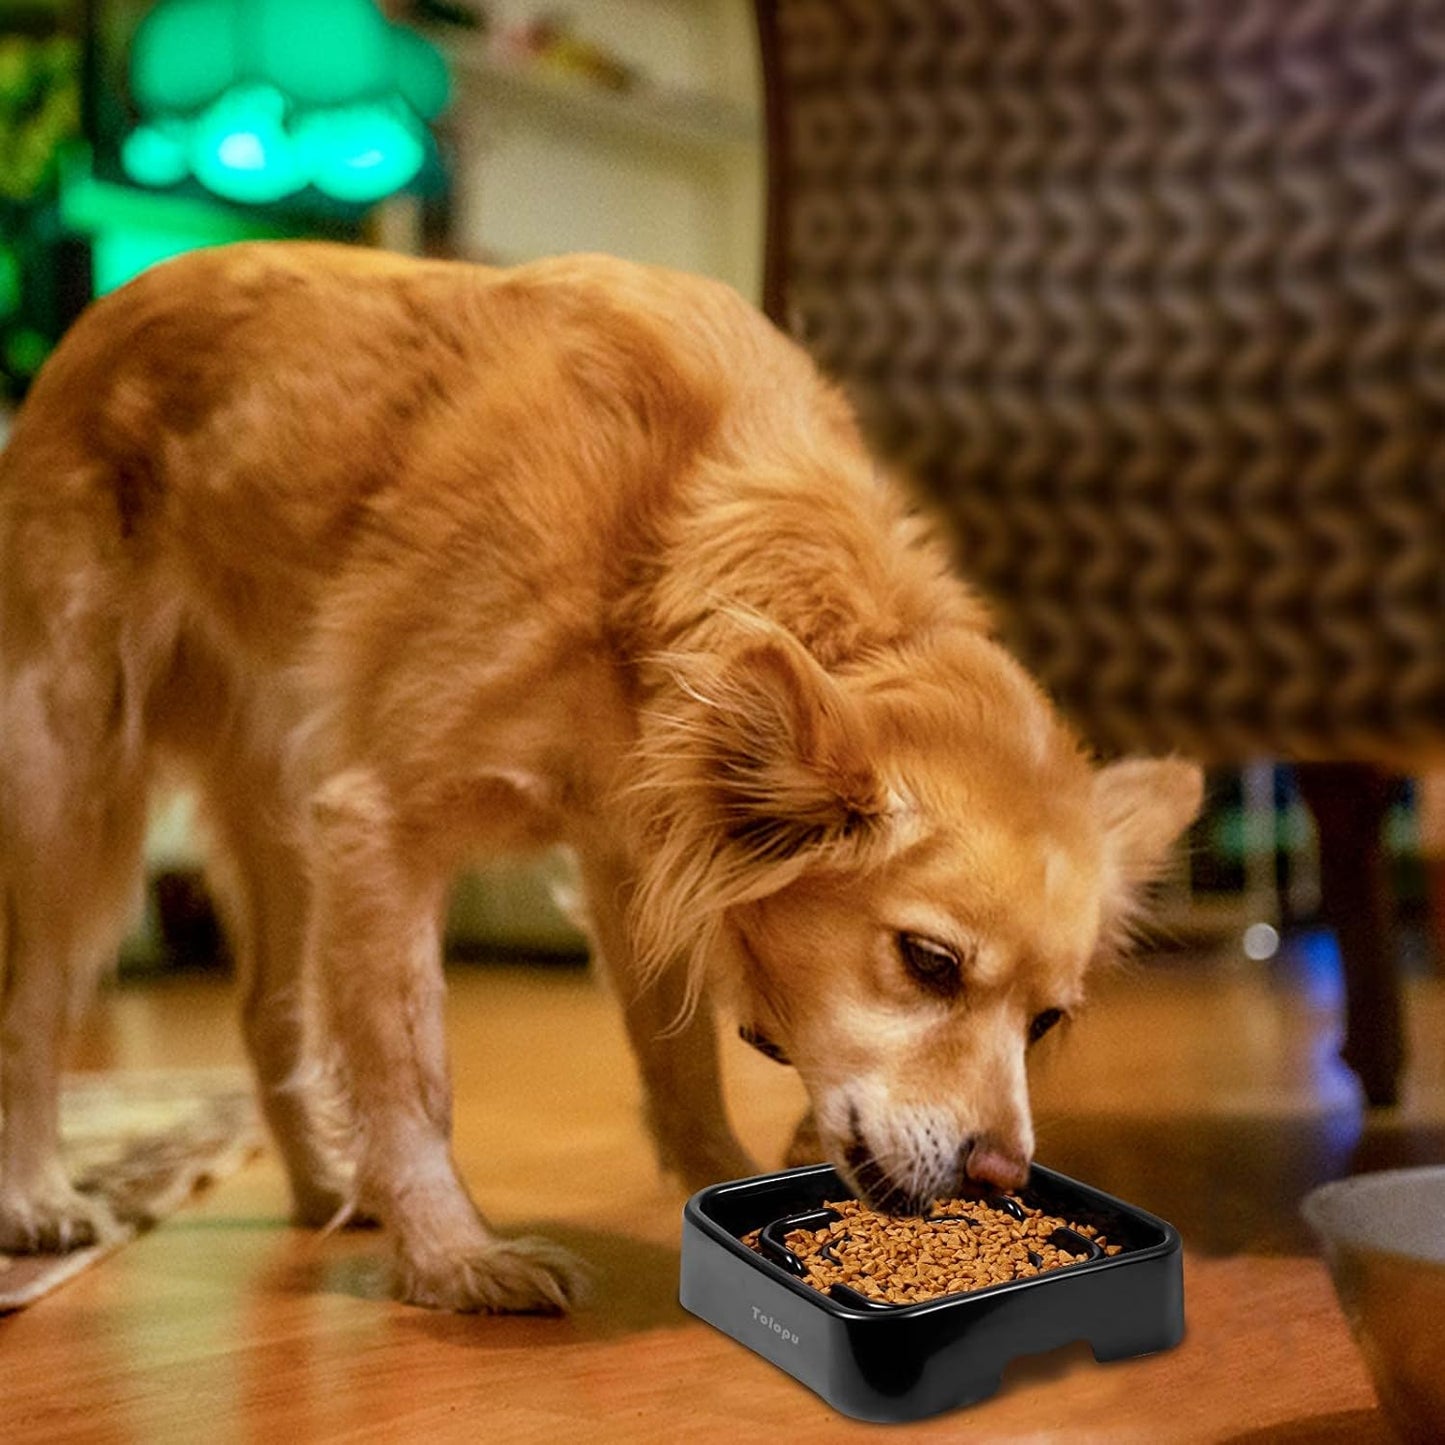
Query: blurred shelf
[1214, 921]
[696, 123]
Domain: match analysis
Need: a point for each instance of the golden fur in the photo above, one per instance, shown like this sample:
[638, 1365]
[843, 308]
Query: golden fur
[400, 563]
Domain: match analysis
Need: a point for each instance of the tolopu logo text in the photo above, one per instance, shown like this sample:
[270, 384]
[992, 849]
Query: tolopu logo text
[769, 1323]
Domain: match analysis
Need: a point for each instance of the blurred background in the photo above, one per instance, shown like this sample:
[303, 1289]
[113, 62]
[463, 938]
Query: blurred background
[1039, 259]
[1149, 294]
[131, 131]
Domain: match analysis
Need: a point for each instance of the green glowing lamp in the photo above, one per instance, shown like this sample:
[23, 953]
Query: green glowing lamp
[184, 55]
[360, 153]
[421, 73]
[240, 149]
[258, 99]
[9, 281]
[319, 52]
[155, 154]
[25, 349]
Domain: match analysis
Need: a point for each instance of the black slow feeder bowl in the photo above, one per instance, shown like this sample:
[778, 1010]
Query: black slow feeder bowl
[904, 1362]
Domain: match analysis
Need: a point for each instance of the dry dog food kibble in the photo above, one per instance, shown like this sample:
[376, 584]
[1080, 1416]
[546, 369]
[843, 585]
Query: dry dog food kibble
[964, 1244]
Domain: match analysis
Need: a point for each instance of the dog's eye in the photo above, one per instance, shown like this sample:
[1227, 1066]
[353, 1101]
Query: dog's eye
[933, 965]
[1043, 1023]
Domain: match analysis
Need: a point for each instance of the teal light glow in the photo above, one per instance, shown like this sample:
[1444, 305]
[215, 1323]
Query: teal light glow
[131, 229]
[119, 256]
[184, 54]
[421, 73]
[260, 98]
[155, 155]
[359, 153]
[240, 149]
[320, 52]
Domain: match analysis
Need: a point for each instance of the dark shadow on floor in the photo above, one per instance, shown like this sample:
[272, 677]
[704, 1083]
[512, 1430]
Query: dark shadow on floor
[1030, 1371]
[632, 1287]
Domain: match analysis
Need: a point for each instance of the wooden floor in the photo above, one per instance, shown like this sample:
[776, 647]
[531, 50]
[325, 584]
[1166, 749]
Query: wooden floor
[1205, 1092]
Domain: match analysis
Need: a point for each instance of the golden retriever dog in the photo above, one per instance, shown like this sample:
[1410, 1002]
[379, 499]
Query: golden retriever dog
[403, 563]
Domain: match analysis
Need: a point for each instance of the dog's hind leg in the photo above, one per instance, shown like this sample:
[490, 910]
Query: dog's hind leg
[72, 811]
[258, 870]
[676, 1056]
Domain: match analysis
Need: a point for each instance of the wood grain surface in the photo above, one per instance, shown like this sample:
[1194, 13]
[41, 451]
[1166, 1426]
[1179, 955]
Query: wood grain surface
[1210, 1088]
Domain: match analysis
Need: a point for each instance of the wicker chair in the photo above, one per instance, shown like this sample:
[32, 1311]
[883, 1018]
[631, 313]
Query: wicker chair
[1151, 294]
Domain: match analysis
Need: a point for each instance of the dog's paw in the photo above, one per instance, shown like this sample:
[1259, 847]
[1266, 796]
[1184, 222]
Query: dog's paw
[54, 1221]
[502, 1276]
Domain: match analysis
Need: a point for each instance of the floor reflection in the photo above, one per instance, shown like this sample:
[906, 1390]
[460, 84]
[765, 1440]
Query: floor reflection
[1231, 1186]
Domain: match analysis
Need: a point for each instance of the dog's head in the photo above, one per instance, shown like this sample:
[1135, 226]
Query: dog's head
[902, 877]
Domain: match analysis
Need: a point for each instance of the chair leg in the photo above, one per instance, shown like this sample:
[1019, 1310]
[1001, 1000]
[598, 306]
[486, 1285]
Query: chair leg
[1349, 802]
[1435, 883]
[1430, 798]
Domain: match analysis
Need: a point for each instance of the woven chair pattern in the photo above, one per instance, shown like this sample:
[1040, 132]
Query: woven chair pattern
[1151, 295]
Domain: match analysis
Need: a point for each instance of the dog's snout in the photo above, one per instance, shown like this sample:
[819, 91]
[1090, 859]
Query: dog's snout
[901, 1164]
[965, 1150]
[987, 1162]
[876, 1188]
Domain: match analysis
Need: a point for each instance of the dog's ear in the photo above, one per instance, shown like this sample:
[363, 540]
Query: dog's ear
[792, 766]
[763, 761]
[1145, 804]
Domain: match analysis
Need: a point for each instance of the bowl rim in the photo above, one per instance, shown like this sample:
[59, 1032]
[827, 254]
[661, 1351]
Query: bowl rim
[695, 1212]
[1315, 1204]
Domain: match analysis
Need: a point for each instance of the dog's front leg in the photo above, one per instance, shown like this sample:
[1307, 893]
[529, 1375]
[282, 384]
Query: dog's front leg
[376, 944]
[678, 1059]
[806, 1145]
